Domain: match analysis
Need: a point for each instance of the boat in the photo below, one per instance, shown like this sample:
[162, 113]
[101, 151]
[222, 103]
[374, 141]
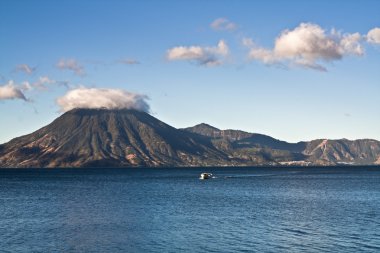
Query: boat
[205, 176]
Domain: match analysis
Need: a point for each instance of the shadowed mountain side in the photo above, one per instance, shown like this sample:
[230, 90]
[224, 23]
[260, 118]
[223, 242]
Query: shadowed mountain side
[84, 137]
[127, 138]
[266, 149]
[241, 139]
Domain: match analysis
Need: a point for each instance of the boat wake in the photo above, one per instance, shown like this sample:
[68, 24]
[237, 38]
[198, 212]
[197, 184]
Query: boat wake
[247, 176]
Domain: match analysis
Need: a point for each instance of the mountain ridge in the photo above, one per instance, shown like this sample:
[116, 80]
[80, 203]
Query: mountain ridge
[130, 138]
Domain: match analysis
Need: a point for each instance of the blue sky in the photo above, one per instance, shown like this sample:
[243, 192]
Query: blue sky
[295, 70]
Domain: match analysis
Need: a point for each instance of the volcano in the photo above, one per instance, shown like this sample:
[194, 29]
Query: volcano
[131, 138]
[108, 138]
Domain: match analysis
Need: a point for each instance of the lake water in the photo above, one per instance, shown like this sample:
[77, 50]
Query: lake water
[171, 210]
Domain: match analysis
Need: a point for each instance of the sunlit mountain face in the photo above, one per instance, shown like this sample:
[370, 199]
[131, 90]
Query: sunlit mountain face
[129, 138]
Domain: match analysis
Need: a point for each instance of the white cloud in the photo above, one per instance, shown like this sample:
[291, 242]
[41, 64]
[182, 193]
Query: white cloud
[40, 84]
[207, 56]
[26, 86]
[25, 68]
[264, 55]
[72, 65]
[351, 44]
[373, 36]
[98, 98]
[223, 24]
[10, 91]
[307, 46]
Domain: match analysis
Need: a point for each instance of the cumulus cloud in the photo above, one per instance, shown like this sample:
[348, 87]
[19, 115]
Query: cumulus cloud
[25, 68]
[223, 24]
[373, 36]
[206, 56]
[351, 44]
[307, 46]
[103, 98]
[10, 91]
[72, 65]
[264, 55]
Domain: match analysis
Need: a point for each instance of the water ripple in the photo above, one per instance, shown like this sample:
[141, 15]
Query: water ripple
[241, 210]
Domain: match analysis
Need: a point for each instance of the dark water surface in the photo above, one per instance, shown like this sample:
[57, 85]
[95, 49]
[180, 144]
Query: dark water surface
[171, 210]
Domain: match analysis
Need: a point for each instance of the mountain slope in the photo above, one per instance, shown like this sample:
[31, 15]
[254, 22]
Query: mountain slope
[126, 138]
[343, 151]
[99, 137]
[241, 139]
[265, 149]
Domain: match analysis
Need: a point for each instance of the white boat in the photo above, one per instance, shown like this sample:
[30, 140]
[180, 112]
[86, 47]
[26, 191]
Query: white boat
[205, 176]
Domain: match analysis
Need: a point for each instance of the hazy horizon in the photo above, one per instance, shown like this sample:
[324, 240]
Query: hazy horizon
[293, 70]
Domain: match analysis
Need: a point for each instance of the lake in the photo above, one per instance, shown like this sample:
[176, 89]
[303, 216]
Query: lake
[171, 210]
